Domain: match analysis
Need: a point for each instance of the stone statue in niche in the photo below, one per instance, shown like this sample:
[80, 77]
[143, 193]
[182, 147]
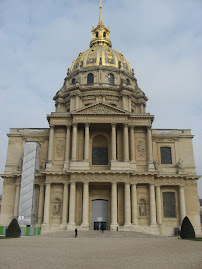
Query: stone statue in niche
[20, 165]
[141, 149]
[59, 148]
[142, 209]
[180, 166]
[56, 209]
[156, 164]
[43, 164]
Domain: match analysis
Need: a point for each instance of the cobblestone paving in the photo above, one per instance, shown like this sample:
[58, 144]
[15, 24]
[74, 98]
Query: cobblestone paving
[96, 250]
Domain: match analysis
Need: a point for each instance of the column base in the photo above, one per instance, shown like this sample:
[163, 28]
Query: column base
[49, 166]
[153, 225]
[114, 227]
[133, 165]
[85, 225]
[45, 227]
[81, 165]
[66, 166]
[63, 226]
[151, 167]
[116, 165]
[71, 226]
[127, 224]
[135, 225]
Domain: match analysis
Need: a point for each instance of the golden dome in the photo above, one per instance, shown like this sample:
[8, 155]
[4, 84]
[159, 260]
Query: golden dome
[100, 52]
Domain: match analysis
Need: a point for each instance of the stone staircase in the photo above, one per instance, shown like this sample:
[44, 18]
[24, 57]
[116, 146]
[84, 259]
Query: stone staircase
[99, 234]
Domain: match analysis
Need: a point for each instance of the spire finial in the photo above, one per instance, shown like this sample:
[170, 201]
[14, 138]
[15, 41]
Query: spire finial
[100, 17]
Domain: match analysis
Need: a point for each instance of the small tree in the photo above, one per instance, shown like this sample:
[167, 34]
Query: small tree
[187, 230]
[13, 229]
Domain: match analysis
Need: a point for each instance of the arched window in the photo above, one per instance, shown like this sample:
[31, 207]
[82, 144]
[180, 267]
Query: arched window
[111, 78]
[104, 34]
[127, 81]
[73, 81]
[96, 34]
[90, 79]
[100, 150]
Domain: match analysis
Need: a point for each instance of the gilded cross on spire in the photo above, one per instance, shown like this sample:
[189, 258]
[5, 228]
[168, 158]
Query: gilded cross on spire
[100, 17]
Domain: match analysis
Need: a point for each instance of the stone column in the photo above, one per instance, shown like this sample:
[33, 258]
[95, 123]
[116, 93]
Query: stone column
[114, 223]
[132, 144]
[72, 203]
[47, 204]
[113, 142]
[158, 206]
[149, 150]
[41, 204]
[182, 203]
[127, 205]
[134, 205]
[152, 205]
[17, 198]
[50, 148]
[86, 149]
[85, 222]
[129, 104]
[141, 108]
[124, 102]
[65, 204]
[74, 141]
[67, 148]
[126, 150]
[77, 101]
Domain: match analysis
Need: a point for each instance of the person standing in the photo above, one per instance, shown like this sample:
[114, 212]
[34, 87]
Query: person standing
[76, 232]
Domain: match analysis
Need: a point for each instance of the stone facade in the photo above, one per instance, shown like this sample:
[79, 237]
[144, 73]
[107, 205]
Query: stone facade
[101, 146]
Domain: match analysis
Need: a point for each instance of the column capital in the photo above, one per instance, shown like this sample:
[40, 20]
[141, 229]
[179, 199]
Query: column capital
[48, 183]
[65, 183]
[68, 126]
[158, 185]
[52, 125]
[113, 124]
[126, 125]
[74, 124]
[17, 184]
[132, 127]
[87, 124]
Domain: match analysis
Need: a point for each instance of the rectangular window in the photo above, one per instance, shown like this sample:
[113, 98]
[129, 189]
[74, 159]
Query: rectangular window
[169, 205]
[166, 155]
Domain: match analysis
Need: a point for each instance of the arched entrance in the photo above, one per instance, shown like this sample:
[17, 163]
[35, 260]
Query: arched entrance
[99, 214]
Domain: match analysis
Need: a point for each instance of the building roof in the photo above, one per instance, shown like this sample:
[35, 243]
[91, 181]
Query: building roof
[100, 52]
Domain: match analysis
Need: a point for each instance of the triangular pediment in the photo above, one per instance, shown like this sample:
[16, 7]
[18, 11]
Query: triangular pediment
[99, 108]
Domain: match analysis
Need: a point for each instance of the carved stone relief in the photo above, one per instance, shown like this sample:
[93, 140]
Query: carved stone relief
[56, 203]
[140, 149]
[56, 207]
[142, 208]
[59, 148]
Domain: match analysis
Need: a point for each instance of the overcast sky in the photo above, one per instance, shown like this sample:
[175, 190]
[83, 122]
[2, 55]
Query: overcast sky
[162, 39]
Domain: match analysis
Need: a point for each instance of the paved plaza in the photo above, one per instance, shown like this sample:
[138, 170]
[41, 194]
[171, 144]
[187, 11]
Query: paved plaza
[96, 250]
